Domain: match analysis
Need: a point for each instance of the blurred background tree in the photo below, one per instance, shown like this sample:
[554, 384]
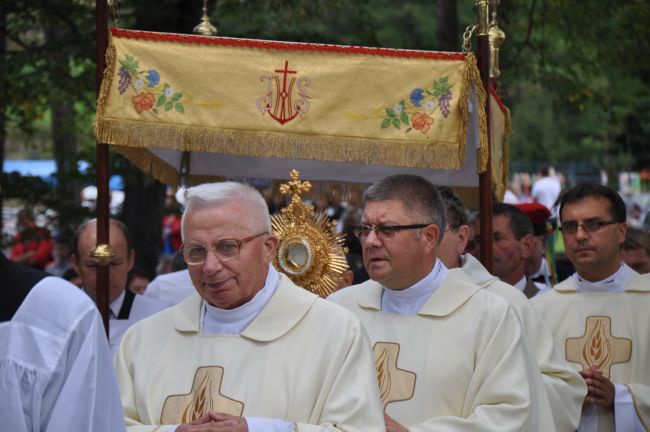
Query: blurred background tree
[574, 74]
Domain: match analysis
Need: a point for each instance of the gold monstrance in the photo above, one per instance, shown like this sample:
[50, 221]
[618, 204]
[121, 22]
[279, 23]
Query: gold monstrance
[311, 253]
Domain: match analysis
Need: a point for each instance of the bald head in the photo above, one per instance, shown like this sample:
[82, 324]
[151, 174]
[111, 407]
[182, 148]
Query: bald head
[85, 241]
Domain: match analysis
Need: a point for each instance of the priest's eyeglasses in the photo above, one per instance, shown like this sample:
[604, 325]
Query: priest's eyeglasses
[383, 231]
[591, 225]
[224, 250]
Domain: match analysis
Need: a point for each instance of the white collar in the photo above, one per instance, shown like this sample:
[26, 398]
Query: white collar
[521, 285]
[116, 305]
[409, 301]
[234, 321]
[614, 283]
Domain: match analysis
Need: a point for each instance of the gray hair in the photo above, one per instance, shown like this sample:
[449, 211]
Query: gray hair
[215, 194]
[417, 195]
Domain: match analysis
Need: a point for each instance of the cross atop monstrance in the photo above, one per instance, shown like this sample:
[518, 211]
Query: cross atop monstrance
[295, 187]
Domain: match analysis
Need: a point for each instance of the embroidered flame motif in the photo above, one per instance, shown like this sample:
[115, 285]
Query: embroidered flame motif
[395, 384]
[383, 375]
[205, 395]
[597, 351]
[598, 347]
[201, 403]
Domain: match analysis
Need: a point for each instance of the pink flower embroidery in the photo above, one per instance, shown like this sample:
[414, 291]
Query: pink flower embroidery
[421, 121]
[143, 102]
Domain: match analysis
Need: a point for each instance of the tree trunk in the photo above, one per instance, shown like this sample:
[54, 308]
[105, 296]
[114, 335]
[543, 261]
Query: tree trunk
[64, 139]
[447, 21]
[142, 213]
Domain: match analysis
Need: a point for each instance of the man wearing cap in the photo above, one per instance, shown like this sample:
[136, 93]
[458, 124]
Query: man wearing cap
[599, 315]
[537, 268]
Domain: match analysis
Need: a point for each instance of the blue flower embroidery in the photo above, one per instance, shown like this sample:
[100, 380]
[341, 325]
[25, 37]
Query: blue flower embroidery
[416, 96]
[153, 77]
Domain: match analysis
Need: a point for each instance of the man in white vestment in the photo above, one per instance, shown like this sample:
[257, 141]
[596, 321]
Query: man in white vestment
[599, 315]
[537, 268]
[125, 307]
[449, 355]
[171, 287]
[55, 364]
[564, 387]
[249, 351]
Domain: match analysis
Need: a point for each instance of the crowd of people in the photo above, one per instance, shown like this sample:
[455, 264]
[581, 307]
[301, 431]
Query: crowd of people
[425, 339]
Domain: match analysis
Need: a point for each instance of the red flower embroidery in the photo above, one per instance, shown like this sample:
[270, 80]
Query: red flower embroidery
[143, 101]
[421, 121]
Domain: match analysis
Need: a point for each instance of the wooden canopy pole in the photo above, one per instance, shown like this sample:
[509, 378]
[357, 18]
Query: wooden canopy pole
[102, 252]
[485, 179]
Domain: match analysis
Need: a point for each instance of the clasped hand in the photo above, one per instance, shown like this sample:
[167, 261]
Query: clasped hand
[600, 390]
[215, 422]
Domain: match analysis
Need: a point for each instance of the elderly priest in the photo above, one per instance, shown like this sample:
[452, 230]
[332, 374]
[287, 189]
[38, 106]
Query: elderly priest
[249, 350]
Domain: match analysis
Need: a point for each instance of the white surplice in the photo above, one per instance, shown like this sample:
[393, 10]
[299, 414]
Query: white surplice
[55, 365]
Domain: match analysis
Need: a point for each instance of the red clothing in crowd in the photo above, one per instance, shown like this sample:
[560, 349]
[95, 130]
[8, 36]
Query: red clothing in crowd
[36, 240]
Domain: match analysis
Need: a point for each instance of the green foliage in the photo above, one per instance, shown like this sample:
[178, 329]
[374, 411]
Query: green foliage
[575, 78]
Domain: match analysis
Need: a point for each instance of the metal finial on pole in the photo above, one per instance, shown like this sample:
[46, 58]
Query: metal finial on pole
[205, 27]
[497, 37]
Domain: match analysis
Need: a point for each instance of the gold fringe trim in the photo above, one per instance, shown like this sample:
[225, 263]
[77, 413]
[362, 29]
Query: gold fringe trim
[136, 134]
[473, 79]
[505, 155]
[109, 73]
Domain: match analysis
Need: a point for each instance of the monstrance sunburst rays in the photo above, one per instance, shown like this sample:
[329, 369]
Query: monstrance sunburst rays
[311, 252]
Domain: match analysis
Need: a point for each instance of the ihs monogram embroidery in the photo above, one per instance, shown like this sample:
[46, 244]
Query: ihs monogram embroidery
[279, 99]
[394, 384]
[205, 396]
[598, 347]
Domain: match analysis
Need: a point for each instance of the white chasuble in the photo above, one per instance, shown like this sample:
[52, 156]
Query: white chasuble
[302, 359]
[611, 331]
[564, 388]
[459, 364]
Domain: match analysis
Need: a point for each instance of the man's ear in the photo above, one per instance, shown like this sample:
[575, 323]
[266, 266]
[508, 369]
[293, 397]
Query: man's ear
[270, 247]
[131, 259]
[527, 243]
[463, 238]
[431, 234]
[622, 232]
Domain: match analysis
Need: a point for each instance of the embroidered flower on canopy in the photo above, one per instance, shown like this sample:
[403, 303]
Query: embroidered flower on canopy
[138, 84]
[153, 77]
[416, 96]
[159, 99]
[421, 106]
[422, 122]
[143, 102]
